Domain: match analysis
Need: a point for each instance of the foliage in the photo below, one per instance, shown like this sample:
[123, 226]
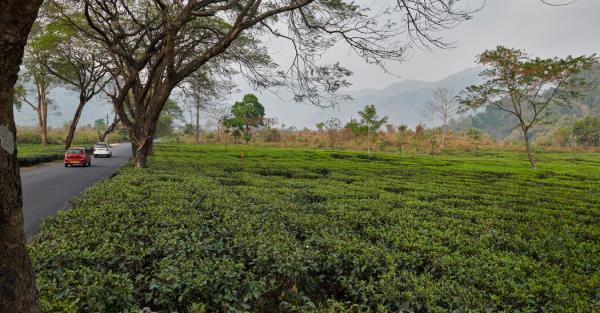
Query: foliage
[170, 114]
[331, 127]
[587, 131]
[246, 114]
[297, 230]
[357, 128]
[370, 119]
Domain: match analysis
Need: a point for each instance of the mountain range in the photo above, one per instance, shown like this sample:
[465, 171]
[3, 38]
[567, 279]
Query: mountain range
[401, 101]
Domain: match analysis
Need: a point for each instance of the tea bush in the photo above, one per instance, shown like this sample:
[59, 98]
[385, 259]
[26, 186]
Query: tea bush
[32, 154]
[204, 230]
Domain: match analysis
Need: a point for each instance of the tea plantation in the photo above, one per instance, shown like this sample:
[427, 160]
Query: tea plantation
[204, 230]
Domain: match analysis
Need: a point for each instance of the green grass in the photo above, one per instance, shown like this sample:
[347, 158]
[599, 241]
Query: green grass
[304, 230]
[29, 150]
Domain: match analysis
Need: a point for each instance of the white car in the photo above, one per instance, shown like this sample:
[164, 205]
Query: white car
[102, 149]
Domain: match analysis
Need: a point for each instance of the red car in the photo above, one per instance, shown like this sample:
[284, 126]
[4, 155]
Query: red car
[77, 156]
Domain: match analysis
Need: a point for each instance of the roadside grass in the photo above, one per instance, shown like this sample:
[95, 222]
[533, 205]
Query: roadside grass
[204, 230]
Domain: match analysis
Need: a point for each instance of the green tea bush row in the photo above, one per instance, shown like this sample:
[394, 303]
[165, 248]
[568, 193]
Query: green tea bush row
[204, 230]
[33, 160]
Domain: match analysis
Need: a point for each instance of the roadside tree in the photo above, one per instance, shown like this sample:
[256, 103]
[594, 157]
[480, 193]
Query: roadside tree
[17, 283]
[74, 61]
[36, 81]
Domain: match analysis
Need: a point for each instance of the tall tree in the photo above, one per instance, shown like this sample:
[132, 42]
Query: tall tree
[17, 282]
[156, 44]
[37, 80]
[526, 87]
[371, 121]
[443, 106]
[78, 63]
[204, 87]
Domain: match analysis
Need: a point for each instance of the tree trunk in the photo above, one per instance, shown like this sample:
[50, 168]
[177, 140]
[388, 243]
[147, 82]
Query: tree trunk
[74, 122]
[141, 145]
[43, 113]
[141, 154]
[17, 281]
[110, 129]
[528, 147]
[369, 140]
[41, 125]
[197, 141]
[151, 146]
[573, 148]
[443, 139]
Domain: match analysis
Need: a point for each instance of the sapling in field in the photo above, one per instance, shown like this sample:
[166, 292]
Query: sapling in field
[371, 121]
[525, 86]
[331, 127]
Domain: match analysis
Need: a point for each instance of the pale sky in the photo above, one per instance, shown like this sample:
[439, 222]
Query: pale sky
[540, 29]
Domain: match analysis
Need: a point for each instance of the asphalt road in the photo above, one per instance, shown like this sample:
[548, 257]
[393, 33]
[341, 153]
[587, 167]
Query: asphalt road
[47, 188]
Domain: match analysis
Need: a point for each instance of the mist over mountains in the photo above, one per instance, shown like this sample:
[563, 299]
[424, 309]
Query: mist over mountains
[402, 102]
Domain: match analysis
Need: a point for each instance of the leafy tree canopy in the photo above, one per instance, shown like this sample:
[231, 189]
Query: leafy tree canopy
[587, 131]
[246, 113]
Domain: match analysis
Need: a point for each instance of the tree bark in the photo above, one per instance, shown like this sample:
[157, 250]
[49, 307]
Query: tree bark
[74, 122]
[141, 144]
[443, 140]
[197, 141]
[42, 110]
[44, 130]
[110, 129]
[368, 140]
[141, 157]
[17, 282]
[529, 150]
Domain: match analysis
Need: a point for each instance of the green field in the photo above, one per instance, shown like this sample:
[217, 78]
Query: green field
[305, 230]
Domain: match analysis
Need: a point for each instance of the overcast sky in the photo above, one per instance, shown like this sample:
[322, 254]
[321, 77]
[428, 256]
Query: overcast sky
[540, 29]
[525, 24]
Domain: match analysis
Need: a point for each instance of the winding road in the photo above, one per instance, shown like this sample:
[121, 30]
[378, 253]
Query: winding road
[47, 188]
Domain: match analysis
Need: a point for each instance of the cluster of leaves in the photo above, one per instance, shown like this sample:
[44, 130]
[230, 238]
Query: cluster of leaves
[244, 115]
[298, 230]
[587, 131]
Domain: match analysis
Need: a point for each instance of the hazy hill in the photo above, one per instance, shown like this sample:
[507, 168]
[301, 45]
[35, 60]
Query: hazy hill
[402, 102]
